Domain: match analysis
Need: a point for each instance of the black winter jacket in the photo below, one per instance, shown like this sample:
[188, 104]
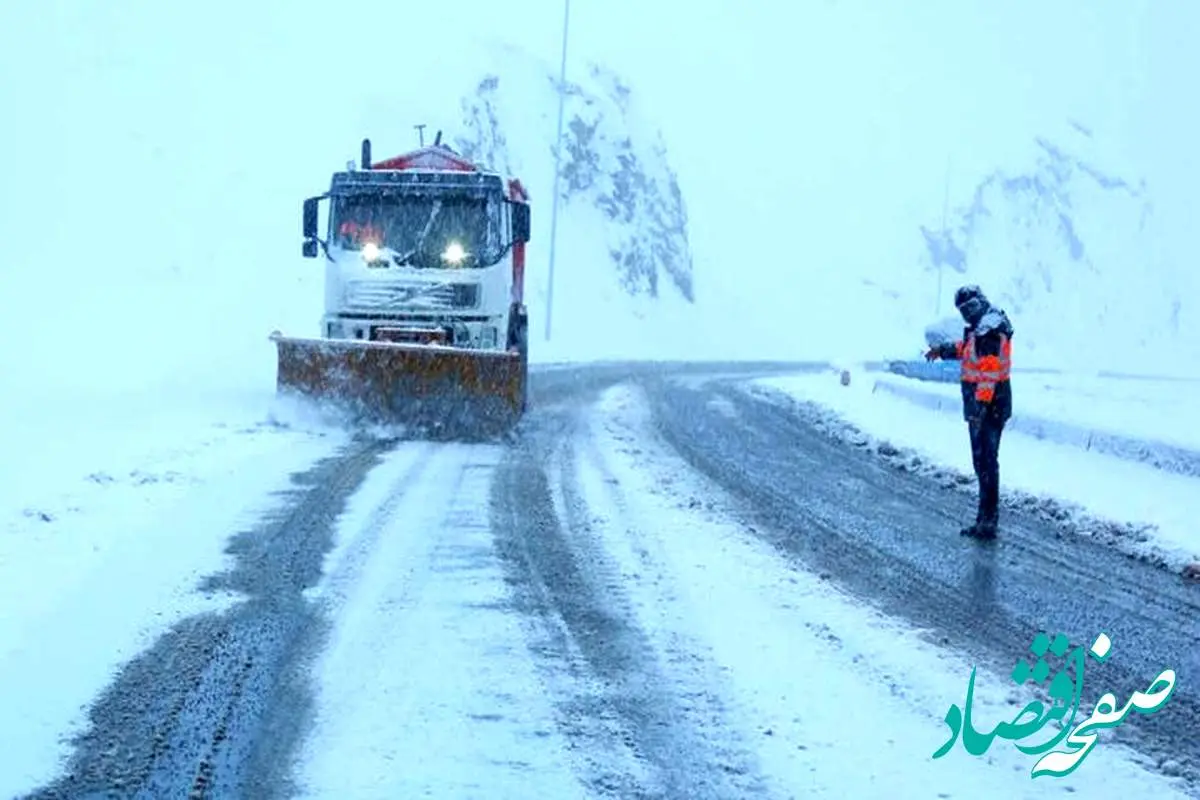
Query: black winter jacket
[987, 343]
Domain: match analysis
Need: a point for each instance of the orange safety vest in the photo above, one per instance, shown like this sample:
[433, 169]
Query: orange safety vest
[986, 371]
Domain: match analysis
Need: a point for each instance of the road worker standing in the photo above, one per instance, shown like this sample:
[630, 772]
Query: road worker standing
[985, 355]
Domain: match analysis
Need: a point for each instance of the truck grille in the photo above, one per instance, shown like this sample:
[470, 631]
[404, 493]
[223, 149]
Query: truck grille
[392, 296]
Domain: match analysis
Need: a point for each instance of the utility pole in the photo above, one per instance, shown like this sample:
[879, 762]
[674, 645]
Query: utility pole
[562, 96]
[937, 301]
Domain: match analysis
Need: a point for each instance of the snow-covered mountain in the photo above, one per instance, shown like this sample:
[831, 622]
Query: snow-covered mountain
[615, 171]
[1066, 245]
[623, 278]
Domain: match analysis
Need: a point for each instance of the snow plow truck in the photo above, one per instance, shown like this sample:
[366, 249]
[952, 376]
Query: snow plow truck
[425, 323]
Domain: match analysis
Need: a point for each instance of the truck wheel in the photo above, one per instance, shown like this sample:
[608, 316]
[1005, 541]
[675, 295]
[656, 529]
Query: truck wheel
[523, 349]
[518, 337]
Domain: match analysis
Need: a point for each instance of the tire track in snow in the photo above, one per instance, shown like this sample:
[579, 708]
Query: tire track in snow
[426, 686]
[697, 682]
[215, 706]
[837, 699]
[344, 565]
[211, 708]
[617, 703]
[889, 534]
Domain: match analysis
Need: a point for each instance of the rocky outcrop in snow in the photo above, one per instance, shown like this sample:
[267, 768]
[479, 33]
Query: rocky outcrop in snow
[613, 164]
[631, 183]
[1066, 247]
[1044, 204]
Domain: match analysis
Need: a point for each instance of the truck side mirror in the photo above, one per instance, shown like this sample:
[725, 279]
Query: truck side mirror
[520, 222]
[310, 217]
[310, 248]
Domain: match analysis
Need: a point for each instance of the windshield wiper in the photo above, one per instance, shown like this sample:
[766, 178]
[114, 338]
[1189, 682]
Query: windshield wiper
[407, 257]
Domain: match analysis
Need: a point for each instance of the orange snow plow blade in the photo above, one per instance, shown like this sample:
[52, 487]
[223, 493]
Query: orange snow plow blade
[461, 392]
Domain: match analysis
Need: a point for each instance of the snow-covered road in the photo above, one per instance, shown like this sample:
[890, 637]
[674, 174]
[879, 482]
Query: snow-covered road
[665, 588]
[426, 686]
[585, 616]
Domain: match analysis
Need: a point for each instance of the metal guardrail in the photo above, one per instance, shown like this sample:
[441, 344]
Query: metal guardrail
[937, 371]
[947, 372]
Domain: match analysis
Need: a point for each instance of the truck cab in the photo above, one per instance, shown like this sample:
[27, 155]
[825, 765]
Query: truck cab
[426, 248]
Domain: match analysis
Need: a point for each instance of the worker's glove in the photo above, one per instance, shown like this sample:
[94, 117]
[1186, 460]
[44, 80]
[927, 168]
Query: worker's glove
[931, 355]
[985, 393]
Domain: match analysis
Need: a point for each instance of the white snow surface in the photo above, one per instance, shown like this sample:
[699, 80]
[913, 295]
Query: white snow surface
[1153, 410]
[104, 539]
[839, 700]
[425, 686]
[428, 689]
[158, 154]
[1154, 511]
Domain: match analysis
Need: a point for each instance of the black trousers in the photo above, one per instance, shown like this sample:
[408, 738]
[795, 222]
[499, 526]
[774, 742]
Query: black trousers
[985, 452]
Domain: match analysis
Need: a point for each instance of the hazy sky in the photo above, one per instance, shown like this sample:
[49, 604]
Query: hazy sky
[196, 128]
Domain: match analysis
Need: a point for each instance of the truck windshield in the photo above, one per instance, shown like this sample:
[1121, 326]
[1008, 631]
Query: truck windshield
[422, 231]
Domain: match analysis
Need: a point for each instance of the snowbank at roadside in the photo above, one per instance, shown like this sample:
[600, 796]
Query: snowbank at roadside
[834, 698]
[1148, 420]
[1141, 510]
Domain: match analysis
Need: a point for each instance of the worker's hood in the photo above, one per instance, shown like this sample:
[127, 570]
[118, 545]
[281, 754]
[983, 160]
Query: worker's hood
[979, 313]
[971, 303]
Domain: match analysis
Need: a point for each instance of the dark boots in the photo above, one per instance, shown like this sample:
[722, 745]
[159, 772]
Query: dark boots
[986, 522]
[980, 530]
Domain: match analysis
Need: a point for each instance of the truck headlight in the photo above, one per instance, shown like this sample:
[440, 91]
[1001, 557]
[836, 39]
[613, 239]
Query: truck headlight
[454, 254]
[370, 252]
